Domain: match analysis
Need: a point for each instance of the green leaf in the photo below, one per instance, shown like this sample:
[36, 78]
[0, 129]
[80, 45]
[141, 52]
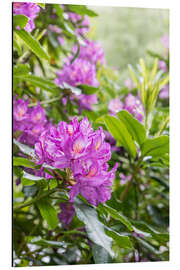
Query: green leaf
[100, 255]
[59, 10]
[122, 240]
[42, 5]
[135, 128]
[48, 213]
[20, 20]
[44, 84]
[30, 191]
[32, 177]
[20, 161]
[116, 215]
[94, 228]
[32, 44]
[143, 228]
[147, 245]
[82, 10]
[87, 89]
[21, 70]
[43, 242]
[119, 131]
[24, 148]
[155, 147]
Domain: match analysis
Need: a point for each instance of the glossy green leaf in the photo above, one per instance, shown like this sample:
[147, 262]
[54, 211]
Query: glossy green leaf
[94, 228]
[43, 242]
[48, 212]
[155, 147]
[42, 5]
[135, 128]
[100, 255]
[82, 10]
[122, 240]
[116, 215]
[32, 43]
[119, 131]
[44, 84]
[143, 228]
[30, 191]
[24, 148]
[20, 20]
[32, 177]
[20, 70]
[87, 89]
[59, 10]
[20, 161]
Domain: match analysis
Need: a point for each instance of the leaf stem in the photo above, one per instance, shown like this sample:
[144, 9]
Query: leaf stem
[45, 194]
[44, 102]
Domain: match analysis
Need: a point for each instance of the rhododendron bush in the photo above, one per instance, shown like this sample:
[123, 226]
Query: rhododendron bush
[90, 155]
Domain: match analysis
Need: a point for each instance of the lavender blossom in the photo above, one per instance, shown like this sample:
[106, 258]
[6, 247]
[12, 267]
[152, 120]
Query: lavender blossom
[92, 51]
[31, 122]
[30, 10]
[67, 212]
[84, 152]
[79, 72]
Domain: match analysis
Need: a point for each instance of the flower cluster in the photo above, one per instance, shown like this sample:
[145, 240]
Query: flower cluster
[91, 51]
[132, 104]
[67, 213]
[83, 151]
[31, 122]
[79, 72]
[30, 10]
[81, 23]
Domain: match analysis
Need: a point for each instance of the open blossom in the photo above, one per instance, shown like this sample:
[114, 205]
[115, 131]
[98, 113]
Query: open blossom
[164, 93]
[132, 104]
[86, 101]
[115, 105]
[82, 23]
[163, 66]
[30, 10]
[31, 122]
[129, 84]
[92, 51]
[84, 152]
[124, 178]
[79, 72]
[67, 213]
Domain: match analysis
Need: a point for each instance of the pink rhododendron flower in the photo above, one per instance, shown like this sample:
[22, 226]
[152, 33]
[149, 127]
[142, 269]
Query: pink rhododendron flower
[79, 72]
[129, 84]
[92, 51]
[124, 178]
[30, 121]
[164, 93]
[86, 101]
[30, 10]
[84, 151]
[134, 106]
[115, 105]
[163, 66]
[67, 213]
[60, 40]
[82, 23]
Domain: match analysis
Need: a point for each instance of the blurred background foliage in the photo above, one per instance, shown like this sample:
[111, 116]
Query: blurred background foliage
[127, 33]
